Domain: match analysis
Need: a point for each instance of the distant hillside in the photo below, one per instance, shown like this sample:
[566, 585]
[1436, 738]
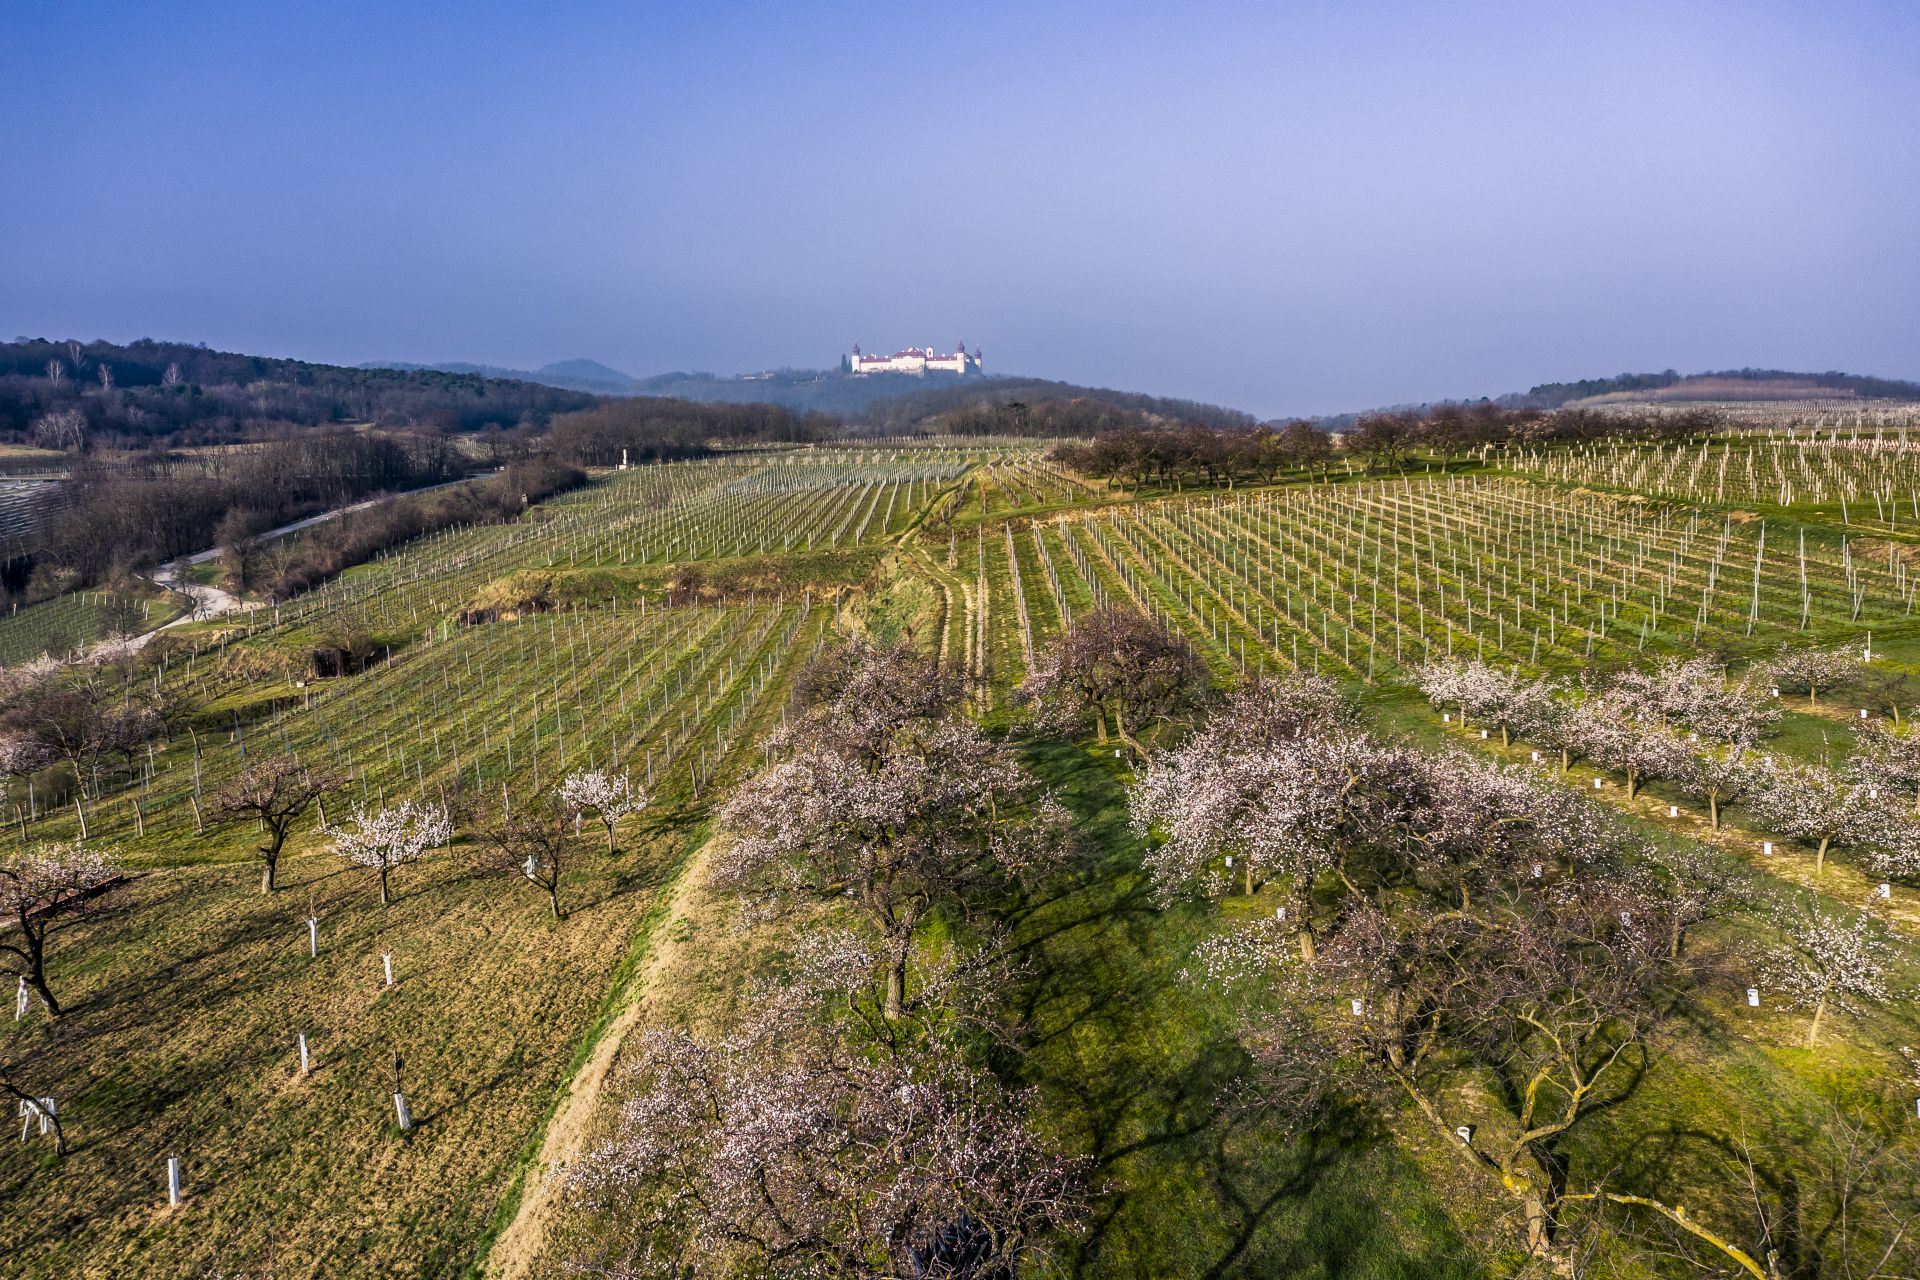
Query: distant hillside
[71, 394]
[881, 402]
[572, 375]
[1724, 384]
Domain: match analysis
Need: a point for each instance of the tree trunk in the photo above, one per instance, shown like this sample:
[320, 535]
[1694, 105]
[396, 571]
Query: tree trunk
[267, 868]
[1566, 758]
[896, 987]
[1820, 858]
[385, 898]
[1713, 811]
[1633, 783]
[553, 900]
[1506, 735]
[1249, 877]
[38, 981]
[1539, 1227]
[610, 849]
[1305, 936]
[1813, 1029]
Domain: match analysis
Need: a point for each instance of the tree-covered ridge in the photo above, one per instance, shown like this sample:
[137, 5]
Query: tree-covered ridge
[68, 394]
[1551, 395]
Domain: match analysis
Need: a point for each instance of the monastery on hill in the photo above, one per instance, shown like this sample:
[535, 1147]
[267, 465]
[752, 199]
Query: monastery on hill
[918, 361]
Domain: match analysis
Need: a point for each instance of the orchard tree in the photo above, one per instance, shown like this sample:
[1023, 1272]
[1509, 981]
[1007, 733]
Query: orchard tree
[389, 838]
[1384, 439]
[1719, 776]
[531, 845]
[41, 889]
[1641, 751]
[1814, 669]
[608, 797]
[1117, 660]
[1306, 446]
[933, 815]
[1887, 757]
[1692, 884]
[276, 791]
[1479, 828]
[1504, 700]
[1290, 800]
[1693, 694]
[1825, 964]
[782, 1151]
[1814, 804]
[1517, 1022]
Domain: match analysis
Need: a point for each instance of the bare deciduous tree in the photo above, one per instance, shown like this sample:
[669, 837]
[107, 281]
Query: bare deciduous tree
[276, 791]
[530, 845]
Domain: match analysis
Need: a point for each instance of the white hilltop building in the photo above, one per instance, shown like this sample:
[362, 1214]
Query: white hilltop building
[918, 361]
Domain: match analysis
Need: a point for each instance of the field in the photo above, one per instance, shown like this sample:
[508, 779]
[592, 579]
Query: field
[651, 623]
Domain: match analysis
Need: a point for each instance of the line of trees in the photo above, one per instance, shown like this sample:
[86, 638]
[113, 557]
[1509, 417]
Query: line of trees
[1197, 454]
[647, 429]
[108, 522]
[302, 562]
[842, 1127]
[1491, 955]
[1387, 440]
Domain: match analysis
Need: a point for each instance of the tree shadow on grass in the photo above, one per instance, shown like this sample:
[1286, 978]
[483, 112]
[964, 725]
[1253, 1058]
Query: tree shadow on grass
[1138, 1070]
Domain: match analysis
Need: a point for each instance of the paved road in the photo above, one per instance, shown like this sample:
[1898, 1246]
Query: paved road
[211, 602]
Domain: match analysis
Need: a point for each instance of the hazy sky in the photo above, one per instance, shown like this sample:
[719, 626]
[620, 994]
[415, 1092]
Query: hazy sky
[1286, 207]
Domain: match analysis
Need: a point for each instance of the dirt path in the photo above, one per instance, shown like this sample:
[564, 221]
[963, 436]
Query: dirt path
[523, 1243]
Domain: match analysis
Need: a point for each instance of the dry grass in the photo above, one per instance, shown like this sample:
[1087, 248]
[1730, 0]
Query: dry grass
[187, 996]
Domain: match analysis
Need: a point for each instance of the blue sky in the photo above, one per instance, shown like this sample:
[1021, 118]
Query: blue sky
[1287, 207]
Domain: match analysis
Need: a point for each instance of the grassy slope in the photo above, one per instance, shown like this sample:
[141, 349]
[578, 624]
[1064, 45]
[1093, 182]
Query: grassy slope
[188, 995]
[1134, 1064]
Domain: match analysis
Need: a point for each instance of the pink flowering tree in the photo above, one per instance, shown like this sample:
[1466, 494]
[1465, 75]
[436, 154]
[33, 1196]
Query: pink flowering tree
[1639, 750]
[781, 1150]
[1888, 757]
[1815, 805]
[1694, 694]
[1292, 811]
[1500, 699]
[41, 889]
[1813, 669]
[1827, 964]
[609, 797]
[383, 840]
[931, 814]
[1117, 662]
[1720, 776]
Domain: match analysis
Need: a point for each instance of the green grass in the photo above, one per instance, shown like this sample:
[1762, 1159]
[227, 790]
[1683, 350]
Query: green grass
[1134, 1065]
[63, 624]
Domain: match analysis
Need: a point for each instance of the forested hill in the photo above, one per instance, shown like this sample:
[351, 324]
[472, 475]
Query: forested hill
[70, 394]
[571, 375]
[1722, 384]
[883, 402]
